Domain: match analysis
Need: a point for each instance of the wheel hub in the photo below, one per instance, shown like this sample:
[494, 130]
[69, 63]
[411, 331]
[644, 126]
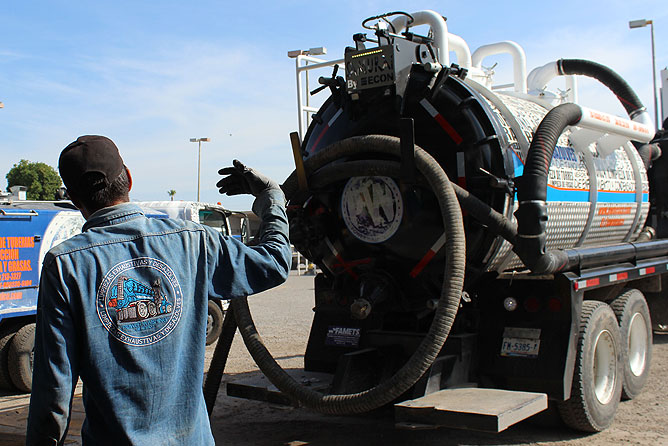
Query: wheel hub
[605, 367]
[637, 344]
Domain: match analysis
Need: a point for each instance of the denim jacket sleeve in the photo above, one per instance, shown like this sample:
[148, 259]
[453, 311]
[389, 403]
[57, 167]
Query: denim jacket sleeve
[238, 270]
[55, 363]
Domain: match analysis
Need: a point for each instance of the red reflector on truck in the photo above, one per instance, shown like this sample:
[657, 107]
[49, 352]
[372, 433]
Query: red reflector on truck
[581, 284]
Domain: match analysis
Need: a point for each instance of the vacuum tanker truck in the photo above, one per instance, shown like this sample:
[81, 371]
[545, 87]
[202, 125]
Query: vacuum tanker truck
[484, 251]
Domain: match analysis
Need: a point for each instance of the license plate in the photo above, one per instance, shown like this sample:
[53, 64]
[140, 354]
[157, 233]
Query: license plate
[520, 347]
[369, 68]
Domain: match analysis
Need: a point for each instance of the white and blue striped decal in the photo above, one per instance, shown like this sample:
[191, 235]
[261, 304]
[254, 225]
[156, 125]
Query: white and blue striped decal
[579, 195]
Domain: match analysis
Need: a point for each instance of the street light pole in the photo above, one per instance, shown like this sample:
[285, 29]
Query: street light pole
[656, 103]
[641, 24]
[199, 142]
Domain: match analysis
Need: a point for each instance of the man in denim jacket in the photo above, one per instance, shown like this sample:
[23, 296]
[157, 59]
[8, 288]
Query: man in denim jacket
[123, 306]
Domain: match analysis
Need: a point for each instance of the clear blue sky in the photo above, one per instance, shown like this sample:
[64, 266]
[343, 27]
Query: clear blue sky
[152, 74]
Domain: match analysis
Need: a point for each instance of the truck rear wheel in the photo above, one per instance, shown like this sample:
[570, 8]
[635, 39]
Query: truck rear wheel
[7, 331]
[214, 322]
[21, 357]
[635, 326]
[597, 378]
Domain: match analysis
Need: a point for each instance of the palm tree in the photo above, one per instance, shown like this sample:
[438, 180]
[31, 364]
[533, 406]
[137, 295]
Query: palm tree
[171, 194]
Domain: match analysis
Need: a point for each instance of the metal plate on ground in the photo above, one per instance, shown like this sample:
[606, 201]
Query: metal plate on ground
[259, 388]
[489, 410]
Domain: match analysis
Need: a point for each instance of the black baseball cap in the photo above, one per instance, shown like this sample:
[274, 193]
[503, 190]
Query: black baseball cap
[91, 162]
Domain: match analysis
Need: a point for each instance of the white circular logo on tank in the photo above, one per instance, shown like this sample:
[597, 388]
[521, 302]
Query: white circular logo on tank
[372, 208]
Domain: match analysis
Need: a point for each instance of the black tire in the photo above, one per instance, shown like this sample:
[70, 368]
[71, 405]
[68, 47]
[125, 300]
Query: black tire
[21, 357]
[214, 323]
[7, 332]
[597, 377]
[635, 327]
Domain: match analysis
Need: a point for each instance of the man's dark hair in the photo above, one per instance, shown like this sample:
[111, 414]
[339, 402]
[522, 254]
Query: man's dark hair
[117, 191]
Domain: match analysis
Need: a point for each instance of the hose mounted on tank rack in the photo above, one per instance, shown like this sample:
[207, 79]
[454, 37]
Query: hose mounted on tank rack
[625, 94]
[532, 186]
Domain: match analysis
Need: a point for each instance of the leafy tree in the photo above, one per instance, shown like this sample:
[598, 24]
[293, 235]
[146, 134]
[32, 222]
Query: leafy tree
[41, 179]
[171, 194]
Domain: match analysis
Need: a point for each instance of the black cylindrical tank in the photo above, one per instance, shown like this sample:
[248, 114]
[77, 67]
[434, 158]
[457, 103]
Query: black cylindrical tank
[481, 139]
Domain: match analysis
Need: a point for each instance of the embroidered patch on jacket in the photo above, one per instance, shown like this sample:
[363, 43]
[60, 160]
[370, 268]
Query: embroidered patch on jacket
[140, 301]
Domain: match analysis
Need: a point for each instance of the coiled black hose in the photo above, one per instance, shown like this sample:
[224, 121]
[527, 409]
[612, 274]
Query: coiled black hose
[429, 348]
[496, 223]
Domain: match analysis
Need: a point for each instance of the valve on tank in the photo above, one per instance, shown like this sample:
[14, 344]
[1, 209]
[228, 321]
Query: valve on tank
[374, 289]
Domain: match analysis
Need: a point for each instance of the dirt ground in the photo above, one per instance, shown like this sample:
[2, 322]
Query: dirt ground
[283, 317]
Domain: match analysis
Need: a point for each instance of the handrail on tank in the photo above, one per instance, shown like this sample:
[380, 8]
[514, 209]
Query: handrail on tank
[443, 40]
[316, 63]
[515, 51]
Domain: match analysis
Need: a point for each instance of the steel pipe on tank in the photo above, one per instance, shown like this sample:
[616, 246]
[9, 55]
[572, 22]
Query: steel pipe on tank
[607, 123]
[583, 258]
[572, 89]
[443, 41]
[653, 248]
[644, 118]
[505, 47]
[461, 49]
[539, 77]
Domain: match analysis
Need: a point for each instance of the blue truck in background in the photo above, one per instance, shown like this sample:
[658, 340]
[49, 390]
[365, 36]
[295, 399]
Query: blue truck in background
[28, 229]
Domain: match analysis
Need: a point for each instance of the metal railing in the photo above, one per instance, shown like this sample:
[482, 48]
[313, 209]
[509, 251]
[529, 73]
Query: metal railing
[304, 64]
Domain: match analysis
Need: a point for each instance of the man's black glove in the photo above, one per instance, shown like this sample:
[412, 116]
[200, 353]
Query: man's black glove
[244, 180]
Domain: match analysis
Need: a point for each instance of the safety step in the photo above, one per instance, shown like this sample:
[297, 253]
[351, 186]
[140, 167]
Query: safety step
[489, 410]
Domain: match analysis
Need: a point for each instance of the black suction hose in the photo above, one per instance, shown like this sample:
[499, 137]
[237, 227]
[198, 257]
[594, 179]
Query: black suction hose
[532, 189]
[532, 192]
[429, 348]
[625, 94]
[533, 185]
[628, 98]
[496, 222]
[217, 366]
